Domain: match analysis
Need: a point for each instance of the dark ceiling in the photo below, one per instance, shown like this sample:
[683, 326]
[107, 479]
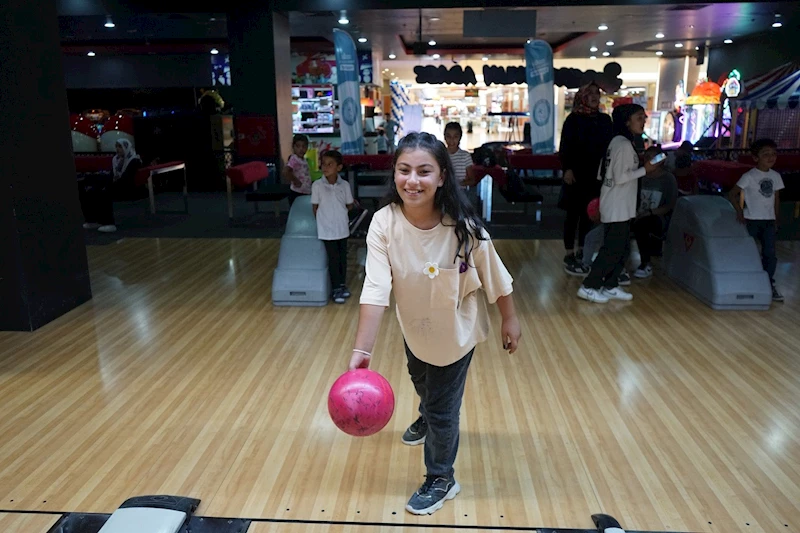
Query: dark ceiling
[571, 30]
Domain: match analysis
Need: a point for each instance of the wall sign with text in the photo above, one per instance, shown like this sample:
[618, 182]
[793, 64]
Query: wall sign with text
[570, 78]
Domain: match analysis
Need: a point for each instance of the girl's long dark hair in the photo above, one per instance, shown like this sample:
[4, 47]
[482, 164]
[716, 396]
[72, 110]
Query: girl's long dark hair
[620, 117]
[449, 198]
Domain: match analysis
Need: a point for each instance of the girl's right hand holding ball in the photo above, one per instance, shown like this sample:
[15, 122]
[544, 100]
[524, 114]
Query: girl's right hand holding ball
[359, 360]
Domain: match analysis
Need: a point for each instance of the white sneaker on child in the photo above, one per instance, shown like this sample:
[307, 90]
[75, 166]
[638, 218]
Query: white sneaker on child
[91, 225]
[644, 272]
[592, 295]
[617, 294]
[110, 228]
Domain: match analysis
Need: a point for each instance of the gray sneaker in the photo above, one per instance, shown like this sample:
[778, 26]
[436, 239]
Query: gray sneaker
[415, 434]
[430, 497]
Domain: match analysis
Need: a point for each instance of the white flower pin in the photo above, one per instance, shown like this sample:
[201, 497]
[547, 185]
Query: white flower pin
[431, 270]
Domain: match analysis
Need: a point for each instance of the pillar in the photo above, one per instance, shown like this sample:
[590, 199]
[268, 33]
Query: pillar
[43, 268]
[261, 79]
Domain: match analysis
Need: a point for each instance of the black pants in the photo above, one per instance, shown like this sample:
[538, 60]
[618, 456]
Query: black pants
[648, 231]
[763, 231]
[337, 261]
[612, 256]
[96, 194]
[440, 390]
[575, 199]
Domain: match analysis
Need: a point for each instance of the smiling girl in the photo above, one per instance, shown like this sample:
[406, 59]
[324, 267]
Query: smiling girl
[430, 248]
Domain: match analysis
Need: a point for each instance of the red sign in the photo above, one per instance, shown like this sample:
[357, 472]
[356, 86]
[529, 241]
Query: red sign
[255, 136]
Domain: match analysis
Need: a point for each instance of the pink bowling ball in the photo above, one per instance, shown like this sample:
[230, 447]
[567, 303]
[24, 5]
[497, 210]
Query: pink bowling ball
[593, 209]
[361, 402]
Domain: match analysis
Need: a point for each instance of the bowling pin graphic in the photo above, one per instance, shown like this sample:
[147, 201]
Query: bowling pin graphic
[539, 76]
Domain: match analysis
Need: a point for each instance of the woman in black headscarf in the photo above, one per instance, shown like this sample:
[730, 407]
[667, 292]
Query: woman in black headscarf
[584, 138]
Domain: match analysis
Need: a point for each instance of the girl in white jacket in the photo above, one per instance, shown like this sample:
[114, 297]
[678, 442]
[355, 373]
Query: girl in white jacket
[619, 173]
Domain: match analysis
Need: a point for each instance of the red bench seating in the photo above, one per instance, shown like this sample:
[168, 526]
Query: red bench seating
[373, 162]
[247, 174]
[145, 176]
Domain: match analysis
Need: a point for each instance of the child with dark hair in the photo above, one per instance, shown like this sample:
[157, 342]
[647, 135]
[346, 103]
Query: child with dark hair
[619, 173]
[657, 199]
[296, 170]
[331, 199]
[430, 248]
[756, 198]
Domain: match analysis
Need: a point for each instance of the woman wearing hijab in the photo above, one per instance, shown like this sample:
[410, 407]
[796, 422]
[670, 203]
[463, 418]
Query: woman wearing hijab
[619, 177]
[584, 139]
[97, 198]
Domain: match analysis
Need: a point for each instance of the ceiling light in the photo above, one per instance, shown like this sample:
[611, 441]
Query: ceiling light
[109, 23]
[213, 19]
[431, 43]
[592, 57]
[659, 53]
[392, 56]
[728, 41]
[436, 56]
[593, 49]
[91, 54]
[528, 41]
[343, 20]
[484, 58]
[606, 54]
[697, 48]
[602, 27]
[434, 19]
[659, 35]
[678, 45]
[391, 74]
[610, 43]
[777, 24]
[362, 39]
[386, 70]
[214, 51]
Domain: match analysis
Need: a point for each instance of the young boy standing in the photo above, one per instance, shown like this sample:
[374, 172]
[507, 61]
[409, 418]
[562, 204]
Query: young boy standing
[756, 198]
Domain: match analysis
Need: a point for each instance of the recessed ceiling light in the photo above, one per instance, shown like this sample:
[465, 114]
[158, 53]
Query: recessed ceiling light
[678, 45]
[602, 27]
[592, 57]
[659, 35]
[91, 54]
[386, 70]
[528, 41]
[659, 53]
[484, 58]
[343, 20]
[109, 23]
[214, 51]
[431, 43]
[606, 54]
[434, 19]
[436, 56]
[391, 74]
[392, 56]
[777, 24]
[362, 39]
[593, 49]
[213, 19]
[728, 41]
[610, 43]
[697, 48]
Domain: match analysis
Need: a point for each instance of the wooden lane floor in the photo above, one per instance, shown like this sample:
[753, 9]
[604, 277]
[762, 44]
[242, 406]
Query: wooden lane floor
[180, 377]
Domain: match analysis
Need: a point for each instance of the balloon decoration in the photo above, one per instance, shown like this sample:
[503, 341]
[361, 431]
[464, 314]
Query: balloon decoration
[706, 92]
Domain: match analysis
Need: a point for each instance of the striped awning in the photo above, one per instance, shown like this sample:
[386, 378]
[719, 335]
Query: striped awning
[765, 80]
[781, 94]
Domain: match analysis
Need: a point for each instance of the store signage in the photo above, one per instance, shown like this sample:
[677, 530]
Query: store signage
[471, 93]
[365, 67]
[733, 85]
[570, 78]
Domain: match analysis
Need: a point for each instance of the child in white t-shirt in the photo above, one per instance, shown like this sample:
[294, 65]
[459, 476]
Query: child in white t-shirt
[331, 199]
[429, 248]
[756, 198]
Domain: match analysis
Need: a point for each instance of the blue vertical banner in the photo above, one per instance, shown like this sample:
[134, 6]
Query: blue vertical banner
[349, 94]
[539, 77]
